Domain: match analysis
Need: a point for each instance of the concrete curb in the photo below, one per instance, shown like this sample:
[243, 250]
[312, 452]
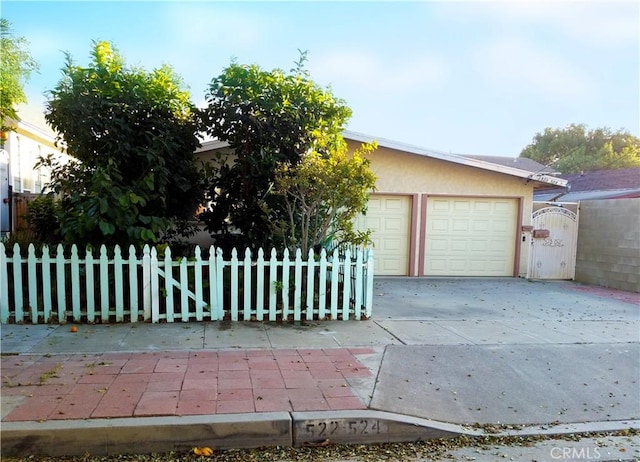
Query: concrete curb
[139, 435]
[606, 426]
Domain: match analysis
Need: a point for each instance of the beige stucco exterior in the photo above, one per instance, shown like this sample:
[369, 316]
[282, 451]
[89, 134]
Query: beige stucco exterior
[401, 172]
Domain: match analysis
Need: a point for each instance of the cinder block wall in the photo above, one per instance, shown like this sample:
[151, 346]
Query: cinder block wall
[609, 243]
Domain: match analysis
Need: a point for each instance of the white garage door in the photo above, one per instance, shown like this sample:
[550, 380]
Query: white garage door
[470, 236]
[390, 219]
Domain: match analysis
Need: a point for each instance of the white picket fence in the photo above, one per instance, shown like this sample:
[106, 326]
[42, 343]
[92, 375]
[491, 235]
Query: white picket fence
[54, 288]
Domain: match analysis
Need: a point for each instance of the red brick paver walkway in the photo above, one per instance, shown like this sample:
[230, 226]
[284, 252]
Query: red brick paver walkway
[82, 386]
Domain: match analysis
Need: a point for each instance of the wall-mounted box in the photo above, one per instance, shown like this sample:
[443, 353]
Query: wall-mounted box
[526, 228]
[541, 233]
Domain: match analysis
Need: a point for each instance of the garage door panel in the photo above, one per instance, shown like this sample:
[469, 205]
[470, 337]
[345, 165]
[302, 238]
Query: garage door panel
[502, 207]
[470, 236]
[481, 207]
[440, 205]
[460, 226]
[481, 226]
[438, 245]
[457, 264]
[461, 207]
[392, 245]
[395, 204]
[459, 246]
[501, 226]
[478, 246]
[389, 218]
[439, 225]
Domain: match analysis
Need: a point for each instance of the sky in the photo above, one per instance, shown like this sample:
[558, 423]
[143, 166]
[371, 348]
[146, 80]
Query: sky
[473, 77]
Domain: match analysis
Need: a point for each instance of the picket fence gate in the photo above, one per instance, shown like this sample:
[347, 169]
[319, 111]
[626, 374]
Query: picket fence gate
[51, 288]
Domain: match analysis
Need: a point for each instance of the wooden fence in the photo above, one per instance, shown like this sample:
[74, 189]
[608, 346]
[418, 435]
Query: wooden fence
[52, 287]
[20, 202]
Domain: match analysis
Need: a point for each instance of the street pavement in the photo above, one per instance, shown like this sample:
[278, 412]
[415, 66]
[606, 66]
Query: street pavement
[440, 357]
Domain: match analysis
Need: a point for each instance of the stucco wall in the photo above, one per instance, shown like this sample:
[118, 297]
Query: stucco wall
[399, 172]
[609, 243]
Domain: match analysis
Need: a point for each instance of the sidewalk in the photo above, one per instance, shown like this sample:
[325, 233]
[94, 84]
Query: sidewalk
[412, 372]
[108, 385]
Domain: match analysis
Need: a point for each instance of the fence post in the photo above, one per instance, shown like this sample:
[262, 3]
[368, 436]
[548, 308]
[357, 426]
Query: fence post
[285, 285]
[220, 283]
[119, 288]
[33, 283]
[133, 284]
[184, 290]
[46, 283]
[104, 284]
[311, 266]
[61, 283]
[197, 274]
[146, 283]
[335, 287]
[155, 287]
[273, 279]
[297, 315]
[168, 284]
[213, 281]
[75, 283]
[368, 304]
[90, 290]
[346, 285]
[17, 283]
[358, 286]
[247, 308]
[4, 286]
[322, 286]
[234, 284]
[260, 286]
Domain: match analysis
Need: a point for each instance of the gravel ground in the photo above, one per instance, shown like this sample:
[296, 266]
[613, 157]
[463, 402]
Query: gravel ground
[433, 450]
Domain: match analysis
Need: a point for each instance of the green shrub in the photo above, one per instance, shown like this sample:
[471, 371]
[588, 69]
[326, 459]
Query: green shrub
[43, 220]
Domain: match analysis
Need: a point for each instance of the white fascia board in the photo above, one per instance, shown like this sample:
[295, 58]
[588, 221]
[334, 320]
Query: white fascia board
[455, 158]
[46, 135]
[212, 145]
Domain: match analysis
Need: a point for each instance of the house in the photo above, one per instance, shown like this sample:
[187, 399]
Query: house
[31, 138]
[601, 184]
[439, 214]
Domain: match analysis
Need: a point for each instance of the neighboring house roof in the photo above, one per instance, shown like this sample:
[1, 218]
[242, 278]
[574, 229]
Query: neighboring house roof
[532, 175]
[601, 184]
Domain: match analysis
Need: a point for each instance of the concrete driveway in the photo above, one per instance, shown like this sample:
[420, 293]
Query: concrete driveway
[508, 351]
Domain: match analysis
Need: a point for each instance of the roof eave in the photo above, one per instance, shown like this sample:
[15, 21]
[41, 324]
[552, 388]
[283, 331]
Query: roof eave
[458, 159]
[539, 178]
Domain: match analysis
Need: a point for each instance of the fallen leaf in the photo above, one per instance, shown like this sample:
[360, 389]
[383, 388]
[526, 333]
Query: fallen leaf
[203, 451]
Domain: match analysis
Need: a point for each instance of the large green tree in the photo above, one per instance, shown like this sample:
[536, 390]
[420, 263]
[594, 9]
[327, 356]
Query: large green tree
[16, 65]
[132, 136]
[268, 118]
[575, 149]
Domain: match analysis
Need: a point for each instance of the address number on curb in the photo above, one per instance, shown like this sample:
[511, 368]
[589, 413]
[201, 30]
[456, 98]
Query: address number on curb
[342, 427]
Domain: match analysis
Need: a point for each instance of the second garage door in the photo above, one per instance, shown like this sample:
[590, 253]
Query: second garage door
[470, 236]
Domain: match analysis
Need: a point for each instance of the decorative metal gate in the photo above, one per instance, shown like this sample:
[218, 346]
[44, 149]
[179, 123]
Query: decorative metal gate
[554, 241]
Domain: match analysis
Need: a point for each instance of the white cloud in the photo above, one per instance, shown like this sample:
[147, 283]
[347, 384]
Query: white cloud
[366, 70]
[197, 24]
[596, 23]
[516, 65]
